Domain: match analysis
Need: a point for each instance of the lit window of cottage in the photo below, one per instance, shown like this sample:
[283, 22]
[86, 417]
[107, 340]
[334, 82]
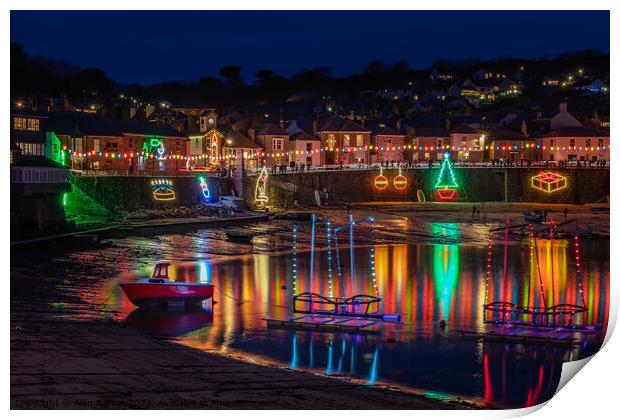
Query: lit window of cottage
[347, 140]
[359, 140]
[19, 123]
[33, 124]
[277, 143]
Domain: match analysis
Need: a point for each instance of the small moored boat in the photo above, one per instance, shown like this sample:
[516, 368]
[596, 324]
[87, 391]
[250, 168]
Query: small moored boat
[239, 236]
[164, 289]
[529, 217]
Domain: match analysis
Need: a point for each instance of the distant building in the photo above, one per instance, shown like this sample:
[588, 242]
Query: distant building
[429, 143]
[94, 143]
[564, 119]
[274, 141]
[305, 149]
[388, 144]
[575, 143]
[467, 143]
[237, 146]
[344, 141]
[513, 145]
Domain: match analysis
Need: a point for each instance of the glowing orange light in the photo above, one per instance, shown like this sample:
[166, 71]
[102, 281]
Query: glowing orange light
[549, 182]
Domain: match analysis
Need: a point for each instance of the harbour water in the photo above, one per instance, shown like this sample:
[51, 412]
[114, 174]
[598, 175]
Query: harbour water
[440, 279]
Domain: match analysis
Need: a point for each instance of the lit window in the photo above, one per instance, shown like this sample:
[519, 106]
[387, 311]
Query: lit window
[347, 140]
[359, 140]
[277, 144]
[19, 123]
[33, 124]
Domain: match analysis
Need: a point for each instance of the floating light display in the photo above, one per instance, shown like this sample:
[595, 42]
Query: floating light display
[549, 182]
[163, 189]
[294, 260]
[446, 184]
[400, 181]
[204, 188]
[260, 191]
[381, 182]
[329, 259]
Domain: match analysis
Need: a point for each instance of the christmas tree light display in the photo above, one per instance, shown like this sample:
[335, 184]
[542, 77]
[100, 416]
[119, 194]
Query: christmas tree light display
[446, 183]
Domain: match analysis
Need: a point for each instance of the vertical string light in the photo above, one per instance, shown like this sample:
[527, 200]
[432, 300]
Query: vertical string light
[578, 266]
[542, 287]
[340, 277]
[294, 260]
[373, 271]
[531, 239]
[329, 258]
[488, 276]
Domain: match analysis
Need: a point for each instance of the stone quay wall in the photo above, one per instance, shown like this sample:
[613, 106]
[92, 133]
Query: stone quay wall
[129, 193]
[475, 185]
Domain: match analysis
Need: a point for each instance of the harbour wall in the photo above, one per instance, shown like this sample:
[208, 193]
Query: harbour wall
[474, 185]
[130, 193]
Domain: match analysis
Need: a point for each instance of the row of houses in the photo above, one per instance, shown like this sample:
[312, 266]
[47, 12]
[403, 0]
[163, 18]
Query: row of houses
[88, 142]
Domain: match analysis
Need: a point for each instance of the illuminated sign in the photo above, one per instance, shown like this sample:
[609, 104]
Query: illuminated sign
[163, 189]
[549, 182]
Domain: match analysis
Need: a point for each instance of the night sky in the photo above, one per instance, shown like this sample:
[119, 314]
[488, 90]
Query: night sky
[149, 47]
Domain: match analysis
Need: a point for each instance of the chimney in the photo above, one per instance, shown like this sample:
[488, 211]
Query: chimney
[448, 125]
[252, 134]
[315, 126]
[398, 124]
[563, 107]
[524, 128]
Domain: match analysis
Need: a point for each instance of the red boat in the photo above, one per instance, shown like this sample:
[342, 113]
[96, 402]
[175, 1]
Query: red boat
[166, 289]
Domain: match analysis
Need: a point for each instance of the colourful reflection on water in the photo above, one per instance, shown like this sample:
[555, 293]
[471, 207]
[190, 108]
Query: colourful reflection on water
[425, 283]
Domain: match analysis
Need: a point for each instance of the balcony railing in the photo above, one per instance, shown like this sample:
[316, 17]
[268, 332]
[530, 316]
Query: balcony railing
[38, 175]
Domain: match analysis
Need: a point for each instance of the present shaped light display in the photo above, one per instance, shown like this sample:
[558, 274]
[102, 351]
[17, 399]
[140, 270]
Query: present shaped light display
[549, 182]
[163, 189]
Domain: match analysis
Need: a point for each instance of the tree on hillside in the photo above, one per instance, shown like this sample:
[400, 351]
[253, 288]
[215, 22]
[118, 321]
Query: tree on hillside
[232, 75]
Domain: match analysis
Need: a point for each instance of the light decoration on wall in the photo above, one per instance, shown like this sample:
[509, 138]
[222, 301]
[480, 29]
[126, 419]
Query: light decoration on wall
[381, 182]
[151, 145]
[163, 189]
[160, 152]
[260, 191]
[400, 181]
[204, 188]
[446, 183]
[549, 182]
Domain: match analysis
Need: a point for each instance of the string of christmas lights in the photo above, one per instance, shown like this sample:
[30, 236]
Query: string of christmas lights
[329, 258]
[179, 156]
[488, 275]
[578, 266]
[294, 260]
